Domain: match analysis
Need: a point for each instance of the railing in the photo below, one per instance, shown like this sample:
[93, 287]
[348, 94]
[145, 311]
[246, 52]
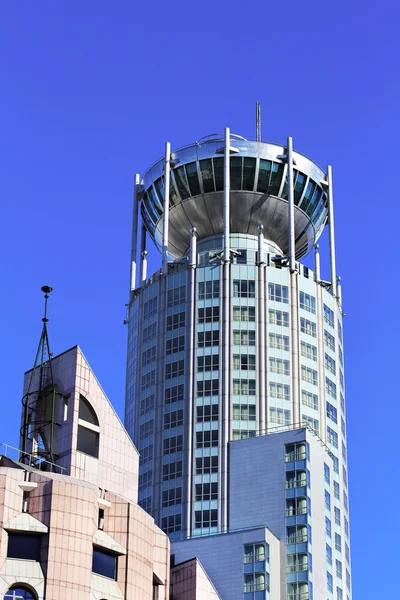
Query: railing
[255, 587]
[299, 539]
[31, 460]
[293, 512]
[297, 568]
[296, 483]
[251, 558]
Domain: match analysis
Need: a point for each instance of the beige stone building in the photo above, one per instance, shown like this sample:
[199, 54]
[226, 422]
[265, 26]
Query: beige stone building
[73, 529]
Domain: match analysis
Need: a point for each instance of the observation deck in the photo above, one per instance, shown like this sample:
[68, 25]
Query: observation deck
[258, 194]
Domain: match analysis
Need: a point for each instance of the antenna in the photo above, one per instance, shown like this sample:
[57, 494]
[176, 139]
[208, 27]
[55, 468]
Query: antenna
[258, 122]
[38, 432]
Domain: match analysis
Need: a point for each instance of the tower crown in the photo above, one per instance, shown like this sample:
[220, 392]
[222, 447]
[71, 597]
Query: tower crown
[259, 192]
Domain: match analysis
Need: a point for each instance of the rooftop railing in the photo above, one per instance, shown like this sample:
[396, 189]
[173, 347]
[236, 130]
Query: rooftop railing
[30, 460]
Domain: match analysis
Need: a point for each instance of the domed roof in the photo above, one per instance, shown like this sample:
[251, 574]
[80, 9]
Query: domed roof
[258, 194]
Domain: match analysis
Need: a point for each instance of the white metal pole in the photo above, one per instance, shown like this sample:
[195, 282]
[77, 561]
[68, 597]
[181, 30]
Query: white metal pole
[227, 185]
[193, 246]
[317, 264]
[166, 207]
[134, 232]
[331, 232]
[261, 321]
[292, 263]
[143, 259]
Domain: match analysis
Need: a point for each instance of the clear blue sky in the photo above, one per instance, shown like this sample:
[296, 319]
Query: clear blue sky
[90, 91]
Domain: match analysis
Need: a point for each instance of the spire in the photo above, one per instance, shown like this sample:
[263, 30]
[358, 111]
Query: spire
[39, 402]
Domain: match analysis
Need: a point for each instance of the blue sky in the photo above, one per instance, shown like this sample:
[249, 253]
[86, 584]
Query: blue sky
[90, 91]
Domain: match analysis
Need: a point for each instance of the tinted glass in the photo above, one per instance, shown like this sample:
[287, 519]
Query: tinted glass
[23, 546]
[181, 182]
[249, 169]
[264, 175]
[191, 171]
[207, 175]
[219, 173]
[104, 563]
[86, 412]
[236, 172]
[88, 441]
[17, 592]
[276, 179]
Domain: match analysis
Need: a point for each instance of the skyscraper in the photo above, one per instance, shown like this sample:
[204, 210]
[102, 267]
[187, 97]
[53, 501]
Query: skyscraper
[234, 338]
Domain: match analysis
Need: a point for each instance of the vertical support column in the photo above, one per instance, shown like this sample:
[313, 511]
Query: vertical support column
[317, 264]
[167, 172]
[339, 293]
[261, 330]
[191, 405]
[331, 232]
[143, 257]
[134, 233]
[292, 250]
[225, 421]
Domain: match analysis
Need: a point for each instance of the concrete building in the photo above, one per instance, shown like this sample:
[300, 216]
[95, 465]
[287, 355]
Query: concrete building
[235, 338]
[73, 528]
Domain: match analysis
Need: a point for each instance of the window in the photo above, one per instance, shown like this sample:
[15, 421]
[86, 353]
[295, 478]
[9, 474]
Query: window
[172, 523]
[173, 444]
[307, 302]
[174, 345]
[242, 288]
[88, 429]
[150, 308]
[23, 546]
[332, 437]
[208, 289]
[297, 506]
[206, 465]
[296, 479]
[206, 491]
[330, 387]
[278, 365]
[173, 419]
[278, 317]
[256, 552]
[209, 314]
[146, 429]
[206, 518]
[104, 563]
[205, 339]
[176, 296]
[336, 488]
[176, 321]
[296, 452]
[297, 563]
[341, 355]
[241, 257]
[329, 581]
[281, 342]
[174, 369]
[244, 338]
[330, 364]
[329, 316]
[327, 474]
[149, 332]
[313, 424]
[145, 480]
[308, 351]
[340, 332]
[279, 416]
[173, 394]
[243, 412]
[242, 434]
[19, 592]
[328, 554]
[206, 413]
[297, 534]
[310, 400]
[278, 293]
[244, 313]
[208, 363]
[278, 390]
[244, 387]
[244, 362]
[172, 497]
[146, 454]
[148, 379]
[207, 439]
[308, 327]
[328, 527]
[329, 340]
[338, 542]
[309, 375]
[209, 387]
[327, 500]
[172, 470]
[337, 515]
[147, 404]
[255, 582]
[331, 412]
[339, 593]
[148, 356]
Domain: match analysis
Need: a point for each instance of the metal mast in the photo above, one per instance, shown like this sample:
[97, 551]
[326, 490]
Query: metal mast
[39, 402]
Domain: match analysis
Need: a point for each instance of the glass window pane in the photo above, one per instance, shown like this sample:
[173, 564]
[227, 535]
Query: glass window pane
[249, 170]
[264, 175]
[191, 170]
[236, 172]
[276, 179]
[207, 175]
[219, 173]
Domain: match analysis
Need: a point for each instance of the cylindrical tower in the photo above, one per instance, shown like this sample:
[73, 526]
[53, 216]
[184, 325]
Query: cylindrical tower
[234, 338]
